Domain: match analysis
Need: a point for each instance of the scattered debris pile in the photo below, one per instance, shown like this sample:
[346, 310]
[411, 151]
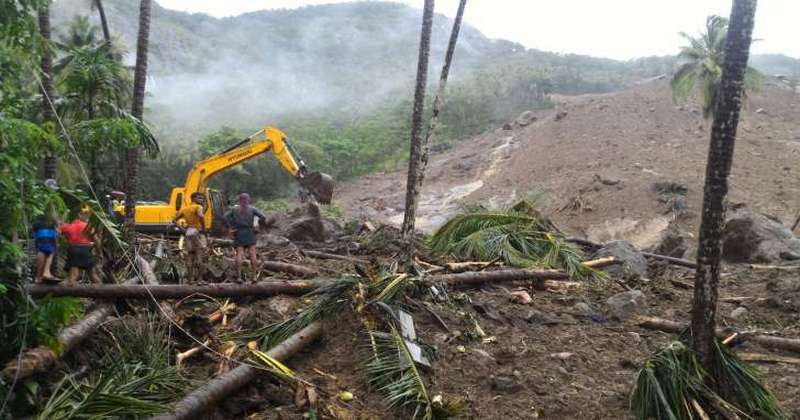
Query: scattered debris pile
[462, 335]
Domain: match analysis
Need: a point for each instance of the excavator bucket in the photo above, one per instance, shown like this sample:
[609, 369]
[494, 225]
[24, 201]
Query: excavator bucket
[320, 186]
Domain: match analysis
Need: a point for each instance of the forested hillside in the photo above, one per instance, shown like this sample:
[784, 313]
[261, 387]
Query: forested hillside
[337, 78]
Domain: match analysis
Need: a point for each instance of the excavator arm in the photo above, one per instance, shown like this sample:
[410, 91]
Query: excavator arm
[319, 185]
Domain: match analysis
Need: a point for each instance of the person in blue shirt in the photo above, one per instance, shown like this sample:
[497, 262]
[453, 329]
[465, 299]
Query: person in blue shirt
[44, 236]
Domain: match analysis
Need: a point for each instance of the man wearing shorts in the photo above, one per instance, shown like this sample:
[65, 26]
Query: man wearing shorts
[79, 249]
[196, 243]
[240, 220]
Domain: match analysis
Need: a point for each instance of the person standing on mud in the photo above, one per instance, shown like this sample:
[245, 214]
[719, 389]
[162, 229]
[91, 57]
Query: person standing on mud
[195, 234]
[240, 220]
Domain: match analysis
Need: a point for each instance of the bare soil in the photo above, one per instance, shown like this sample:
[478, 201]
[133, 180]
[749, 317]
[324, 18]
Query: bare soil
[597, 164]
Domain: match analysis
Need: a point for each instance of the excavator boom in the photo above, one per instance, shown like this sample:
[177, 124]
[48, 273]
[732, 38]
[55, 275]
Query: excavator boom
[157, 217]
[318, 184]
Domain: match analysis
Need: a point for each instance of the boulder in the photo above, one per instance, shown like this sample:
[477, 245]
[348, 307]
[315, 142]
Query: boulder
[505, 384]
[784, 292]
[754, 237]
[634, 265]
[525, 119]
[623, 305]
[672, 243]
[738, 314]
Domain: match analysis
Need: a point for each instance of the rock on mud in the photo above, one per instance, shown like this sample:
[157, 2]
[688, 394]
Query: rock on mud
[305, 224]
[634, 265]
[623, 305]
[672, 243]
[754, 237]
[525, 119]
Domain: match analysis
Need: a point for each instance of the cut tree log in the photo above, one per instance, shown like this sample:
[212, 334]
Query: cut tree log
[672, 260]
[479, 277]
[41, 358]
[790, 344]
[176, 291]
[328, 256]
[294, 269]
[768, 358]
[281, 267]
[203, 399]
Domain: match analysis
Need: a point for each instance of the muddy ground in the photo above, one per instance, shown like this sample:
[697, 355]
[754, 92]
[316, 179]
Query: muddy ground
[543, 359]
[593, 162]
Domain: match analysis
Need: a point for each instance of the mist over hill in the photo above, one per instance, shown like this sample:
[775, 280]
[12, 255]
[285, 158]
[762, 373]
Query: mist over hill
[338, 78]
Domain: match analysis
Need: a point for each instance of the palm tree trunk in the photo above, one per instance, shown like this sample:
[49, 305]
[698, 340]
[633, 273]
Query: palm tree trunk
[103, 21]
[47, 82]
[720, 159]
[175, 291]
[42, 358]
[139, 81]
[203, 399]
[412, 194]
[416, 178]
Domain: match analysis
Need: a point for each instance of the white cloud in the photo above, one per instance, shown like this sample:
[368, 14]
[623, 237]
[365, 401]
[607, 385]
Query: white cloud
[619, 29]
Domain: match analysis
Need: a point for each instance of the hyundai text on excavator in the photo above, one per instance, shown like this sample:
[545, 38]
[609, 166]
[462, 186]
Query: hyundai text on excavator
[157, 218]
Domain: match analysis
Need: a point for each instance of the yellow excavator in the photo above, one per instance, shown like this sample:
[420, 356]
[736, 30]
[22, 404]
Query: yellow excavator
[157, 218]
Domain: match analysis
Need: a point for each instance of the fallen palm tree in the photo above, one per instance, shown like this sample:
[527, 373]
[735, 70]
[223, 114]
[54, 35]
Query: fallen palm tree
[660, 324]
[281, 267]
[39, 359]
[471, 278]
[519, 236]
[672, 260]
[206, 397]
[176, 291]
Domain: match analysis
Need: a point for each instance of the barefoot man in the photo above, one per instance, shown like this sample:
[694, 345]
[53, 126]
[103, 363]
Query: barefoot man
[196, 242]
[240, 221]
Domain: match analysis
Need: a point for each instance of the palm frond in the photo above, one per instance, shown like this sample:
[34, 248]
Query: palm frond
[391, 371]
[389, 287]
[122, 391]
[673, 379]
[520, 236]
[749, 393]
[99, 220]
[327, 302]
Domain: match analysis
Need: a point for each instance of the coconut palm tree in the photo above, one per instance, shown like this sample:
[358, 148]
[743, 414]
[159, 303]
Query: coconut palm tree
[91, 78]
[701, 65]
[47, 81]
[728, 103]
[81, 33]
[98, 4]
[137, 109]
[416, 170]
[416, 119]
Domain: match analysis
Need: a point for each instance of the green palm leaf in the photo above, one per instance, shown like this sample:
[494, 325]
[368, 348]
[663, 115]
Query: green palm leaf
[392, 371]
[519, 236]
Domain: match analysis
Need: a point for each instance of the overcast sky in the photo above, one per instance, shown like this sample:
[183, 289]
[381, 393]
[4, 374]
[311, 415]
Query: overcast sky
[621, 29]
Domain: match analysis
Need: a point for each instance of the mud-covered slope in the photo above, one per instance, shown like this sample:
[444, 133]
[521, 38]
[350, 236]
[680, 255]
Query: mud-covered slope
[594, 160]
